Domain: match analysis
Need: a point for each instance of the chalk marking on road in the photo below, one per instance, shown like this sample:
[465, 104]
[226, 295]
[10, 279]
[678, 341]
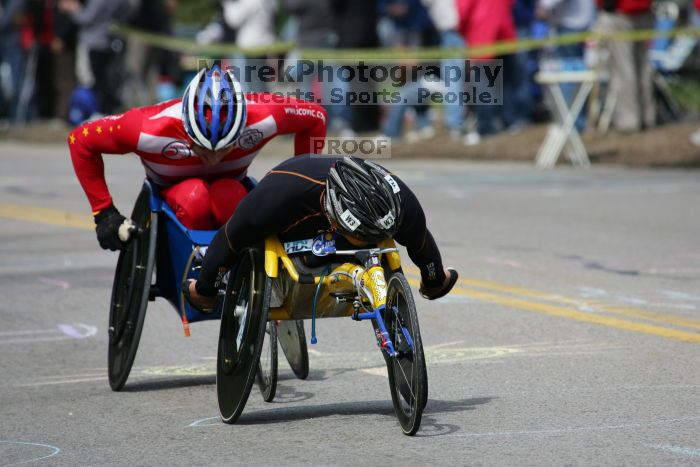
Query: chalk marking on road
[31, 340]
[312, 351]
[27, 332]
[550, 431]
[177, 370]
[504, 262]
[447, 344]
[62, 332]
[65, 381]
[55, 450]
[376, 371]
[690, 452]
[205, 422]
[59, 283]
[46, 216]
[615, 388]
[75, 332]
[677, 295]
[90, 374]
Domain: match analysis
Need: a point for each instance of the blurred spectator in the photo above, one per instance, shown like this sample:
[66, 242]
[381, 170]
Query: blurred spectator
[156, 16]
[695, 22]
[444, 16]
[315, 24]
[518, 82]
[64, 46]
[568, 17]
[94, 19]
[254, 23]
[216, 30]
[38, 97]
[629, 67]
[484, 22]
[356, 22]
[407, 25]
[408, 21]
[253, 20]
[315, 29]
[11, 57]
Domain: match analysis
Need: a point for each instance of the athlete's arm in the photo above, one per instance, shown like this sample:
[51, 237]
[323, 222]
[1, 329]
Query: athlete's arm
[116, 134]
[306, 120]
[419, 242]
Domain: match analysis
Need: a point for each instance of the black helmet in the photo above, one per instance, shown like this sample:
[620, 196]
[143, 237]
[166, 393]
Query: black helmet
[363, 199]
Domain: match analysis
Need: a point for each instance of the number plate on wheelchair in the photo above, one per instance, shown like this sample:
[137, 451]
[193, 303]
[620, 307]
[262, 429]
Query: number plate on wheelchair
[321, 245]
[298, 246]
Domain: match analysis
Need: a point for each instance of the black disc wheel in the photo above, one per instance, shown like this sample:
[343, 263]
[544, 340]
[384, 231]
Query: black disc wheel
[292, 339]
[408, 378]
[130, 290]
[267, 368]
[243, 323]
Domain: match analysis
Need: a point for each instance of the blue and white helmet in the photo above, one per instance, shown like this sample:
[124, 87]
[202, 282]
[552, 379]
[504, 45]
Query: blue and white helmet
[214, 108]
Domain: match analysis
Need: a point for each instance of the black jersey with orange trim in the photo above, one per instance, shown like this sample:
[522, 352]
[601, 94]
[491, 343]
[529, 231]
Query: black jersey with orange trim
[288, 202]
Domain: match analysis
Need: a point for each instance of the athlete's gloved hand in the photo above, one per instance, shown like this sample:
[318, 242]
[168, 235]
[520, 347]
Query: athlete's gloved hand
[432, 292]
[198, 296]
[112, 229]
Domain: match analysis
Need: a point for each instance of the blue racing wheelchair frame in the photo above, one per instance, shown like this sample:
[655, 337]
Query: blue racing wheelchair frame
[162, 245]
[161, 254]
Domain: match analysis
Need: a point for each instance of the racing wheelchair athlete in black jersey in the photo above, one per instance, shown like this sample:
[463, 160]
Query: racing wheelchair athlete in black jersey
[326, 206]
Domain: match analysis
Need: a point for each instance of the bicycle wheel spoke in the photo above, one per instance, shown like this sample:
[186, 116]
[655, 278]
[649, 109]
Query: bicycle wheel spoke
[405, 378]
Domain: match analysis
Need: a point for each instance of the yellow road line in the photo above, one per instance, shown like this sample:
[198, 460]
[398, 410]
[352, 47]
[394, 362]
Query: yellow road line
[46, 216]
[570, 313]
[619, 310]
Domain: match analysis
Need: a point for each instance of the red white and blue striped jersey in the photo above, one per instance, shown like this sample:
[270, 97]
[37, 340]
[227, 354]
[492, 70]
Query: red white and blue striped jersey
[156, 134]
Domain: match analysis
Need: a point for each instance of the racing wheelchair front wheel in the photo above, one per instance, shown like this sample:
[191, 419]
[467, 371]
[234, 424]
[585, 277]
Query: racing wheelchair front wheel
[243, 321]
[130, 291]
[267, 368]
[408, 378]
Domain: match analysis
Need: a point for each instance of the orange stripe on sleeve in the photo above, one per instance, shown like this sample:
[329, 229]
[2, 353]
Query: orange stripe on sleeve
[300, 221]
[313, 180]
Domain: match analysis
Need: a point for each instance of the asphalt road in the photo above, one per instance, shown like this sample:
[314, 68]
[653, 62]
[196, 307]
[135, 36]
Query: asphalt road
[573, 337]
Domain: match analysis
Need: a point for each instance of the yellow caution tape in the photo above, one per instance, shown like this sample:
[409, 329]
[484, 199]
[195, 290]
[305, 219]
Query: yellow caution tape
[383, 55]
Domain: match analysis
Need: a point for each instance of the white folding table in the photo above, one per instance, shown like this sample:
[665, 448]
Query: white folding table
[562, 134]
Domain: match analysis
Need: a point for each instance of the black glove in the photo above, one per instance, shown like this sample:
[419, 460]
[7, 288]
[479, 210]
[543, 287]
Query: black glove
[432, 292]
[108, 223]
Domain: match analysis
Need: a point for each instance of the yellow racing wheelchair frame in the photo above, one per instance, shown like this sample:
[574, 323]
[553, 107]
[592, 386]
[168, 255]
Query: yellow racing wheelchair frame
[268, 288]
[345, 278]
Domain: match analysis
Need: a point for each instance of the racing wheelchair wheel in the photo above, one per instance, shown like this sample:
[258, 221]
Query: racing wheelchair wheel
[292, 339]
[243, 321]
[130, 291]
[408, 378]
[267, 368]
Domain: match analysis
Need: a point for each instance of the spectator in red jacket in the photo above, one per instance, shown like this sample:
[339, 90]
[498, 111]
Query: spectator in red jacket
[484, 22]
[629, 67]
